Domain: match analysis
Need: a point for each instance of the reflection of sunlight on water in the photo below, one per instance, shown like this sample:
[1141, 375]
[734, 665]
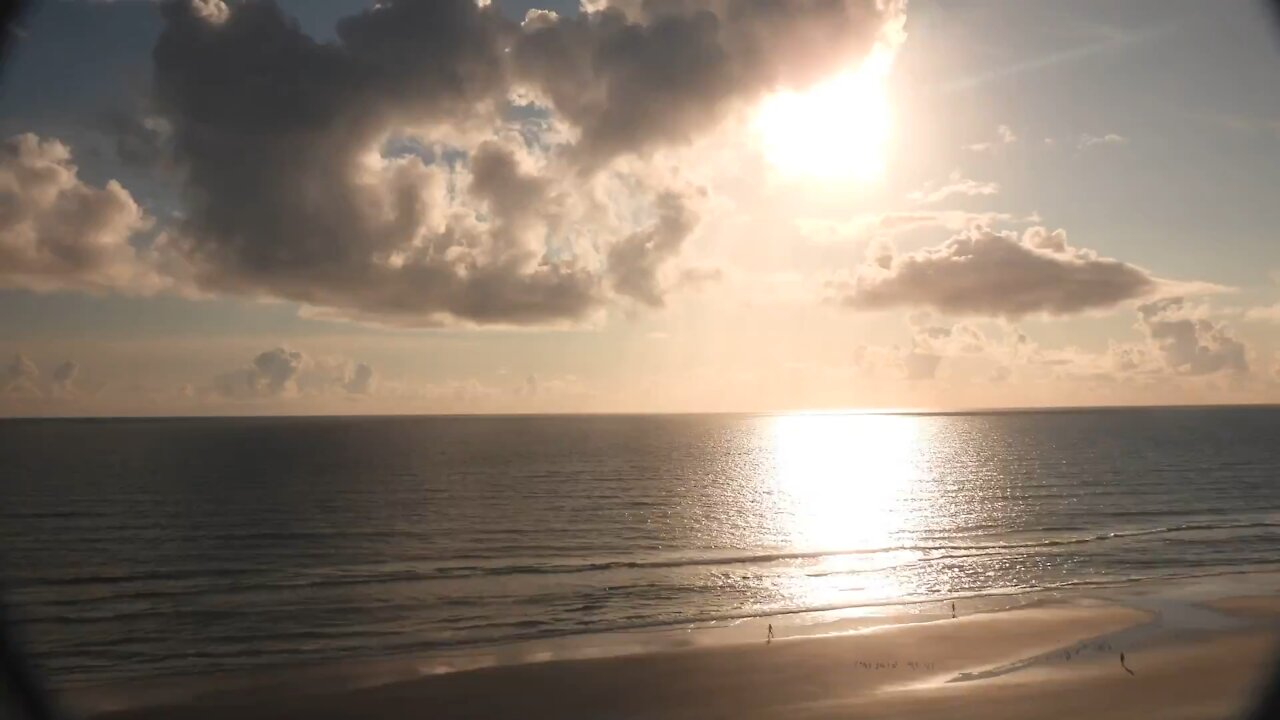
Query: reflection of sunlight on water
[842, 483]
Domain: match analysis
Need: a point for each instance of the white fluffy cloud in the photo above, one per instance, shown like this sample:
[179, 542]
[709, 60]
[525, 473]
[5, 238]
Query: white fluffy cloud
[983, 272]
[59, 233]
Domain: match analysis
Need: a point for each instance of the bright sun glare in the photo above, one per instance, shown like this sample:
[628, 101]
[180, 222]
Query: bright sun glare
[845, 483]
[843, 477]
[835, 130]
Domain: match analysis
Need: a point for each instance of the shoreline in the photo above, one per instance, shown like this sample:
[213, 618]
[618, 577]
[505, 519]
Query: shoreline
[359, 672]
[938, 660]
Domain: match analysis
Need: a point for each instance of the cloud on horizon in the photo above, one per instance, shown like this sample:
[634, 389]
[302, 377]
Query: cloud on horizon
[22, 379]
[20, 376]
[284, 373]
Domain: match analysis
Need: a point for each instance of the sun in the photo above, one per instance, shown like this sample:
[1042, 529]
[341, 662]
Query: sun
[837, 130]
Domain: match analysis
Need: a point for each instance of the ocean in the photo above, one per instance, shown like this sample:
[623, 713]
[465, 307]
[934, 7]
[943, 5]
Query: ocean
[141, 549]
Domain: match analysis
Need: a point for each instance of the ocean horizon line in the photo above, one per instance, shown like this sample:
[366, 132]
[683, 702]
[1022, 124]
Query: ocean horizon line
[907, 412]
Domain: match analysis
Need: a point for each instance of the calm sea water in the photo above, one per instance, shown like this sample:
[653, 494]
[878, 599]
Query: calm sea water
[171, 547]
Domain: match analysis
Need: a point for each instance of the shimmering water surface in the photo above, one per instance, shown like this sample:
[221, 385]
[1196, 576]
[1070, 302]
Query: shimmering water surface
[145, 548]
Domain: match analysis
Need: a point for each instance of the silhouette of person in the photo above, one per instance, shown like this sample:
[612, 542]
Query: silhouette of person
[1126, 667]
[953, 611]
[769, 638]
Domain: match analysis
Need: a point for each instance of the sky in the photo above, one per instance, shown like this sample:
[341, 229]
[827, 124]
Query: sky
[452, 206]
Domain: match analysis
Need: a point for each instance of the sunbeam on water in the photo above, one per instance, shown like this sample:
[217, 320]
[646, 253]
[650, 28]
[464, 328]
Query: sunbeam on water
[842, 483]
[841, 478]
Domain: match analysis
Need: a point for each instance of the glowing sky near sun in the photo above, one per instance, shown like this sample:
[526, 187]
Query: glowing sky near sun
[836, 130]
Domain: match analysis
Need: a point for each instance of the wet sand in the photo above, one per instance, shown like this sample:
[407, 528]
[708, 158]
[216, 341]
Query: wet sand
[1043, 662]
[1255, 606]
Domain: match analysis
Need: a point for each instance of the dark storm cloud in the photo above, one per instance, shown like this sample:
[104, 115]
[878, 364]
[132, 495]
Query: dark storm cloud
[982, 272]
[275, 131]
[283, 151]
[640, 75]
[278, 135]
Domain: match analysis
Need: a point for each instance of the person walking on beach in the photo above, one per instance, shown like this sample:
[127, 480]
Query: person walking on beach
[1126, 667]
[953, 610]
[769, 639]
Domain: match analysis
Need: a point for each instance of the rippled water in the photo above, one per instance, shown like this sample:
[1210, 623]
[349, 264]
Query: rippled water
[150, 548]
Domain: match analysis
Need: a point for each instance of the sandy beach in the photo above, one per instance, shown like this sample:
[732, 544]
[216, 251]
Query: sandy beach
[1041, 662]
